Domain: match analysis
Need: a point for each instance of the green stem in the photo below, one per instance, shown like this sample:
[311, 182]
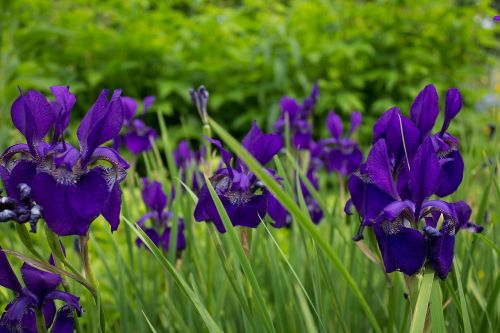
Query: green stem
[84, 243]
[40, 322]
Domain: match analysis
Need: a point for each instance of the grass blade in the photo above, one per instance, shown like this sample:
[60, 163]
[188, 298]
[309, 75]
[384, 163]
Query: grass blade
[424, 294]
[299, 215]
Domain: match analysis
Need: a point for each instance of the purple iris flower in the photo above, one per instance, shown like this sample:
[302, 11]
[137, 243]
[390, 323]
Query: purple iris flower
[392, 190]
[341, 152]
[185, 157]
[65, 181]
[138, 136]
[424, 111]
[244, 197]
[40, 293]
[158, 214]
[299, 118]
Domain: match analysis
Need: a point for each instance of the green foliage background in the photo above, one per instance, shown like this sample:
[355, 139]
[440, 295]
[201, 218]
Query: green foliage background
[367, 55]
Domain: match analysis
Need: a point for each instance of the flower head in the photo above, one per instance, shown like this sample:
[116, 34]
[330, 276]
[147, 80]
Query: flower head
[340, 152]
[199, 97]
[65, 181]
[40, 292]
[244, 197]
[159, 231]
[298, 116]
[138, 136]
[392, 190]
[185, 158]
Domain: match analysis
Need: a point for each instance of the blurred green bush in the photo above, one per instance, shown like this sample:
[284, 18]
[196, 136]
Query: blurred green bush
[368, 55]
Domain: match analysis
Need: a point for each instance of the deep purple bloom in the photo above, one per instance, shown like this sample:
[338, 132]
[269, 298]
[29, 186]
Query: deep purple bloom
[40, 293]
[244, 197]
[199, 97]
[138, 136]
[186, 158]
[341, 152]
[392, 190]
[63, 180]
[159, 216]
[299, 118]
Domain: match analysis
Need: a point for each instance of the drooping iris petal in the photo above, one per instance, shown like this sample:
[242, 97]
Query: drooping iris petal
[262, 146]
[112, 207]
[368, 199]
[397, 210]
[441, 252]
[8, 278]
[180, 241]
[404, 250]
[334, 125]
[452, 174]
[137, 142]
[70, 299]
[129, 107]
[344, 163]
[425, 174]
[355, 121]
[39, 282]
[401, 136]
[379, 168]
[152, 234]
[245, 211]
[101, 123]
[452, 107]
[19, 308]
[49, 312]
[425, 109]
[33, 117]
[153, 195]
[22, 173]
[20, 148]
[64, 321]
[70, 208]
[65, 101]
[276, 210]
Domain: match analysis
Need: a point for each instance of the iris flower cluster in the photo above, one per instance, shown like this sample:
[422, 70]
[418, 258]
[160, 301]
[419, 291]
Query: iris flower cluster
[159, 216]
[39, 294]
[393, 189]
[244, 197]
[71, 185]
[138, 136]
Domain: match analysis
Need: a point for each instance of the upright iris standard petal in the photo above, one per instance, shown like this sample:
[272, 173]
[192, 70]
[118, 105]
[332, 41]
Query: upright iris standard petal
[401, 135]
[425, 109]
[101, 124]
[65, 101]
[33, 117]
[334, 125]
[129, 107]
[262, 146]
[380, 169]
[355, 122]
[452, 107]
[289, 107]
[8, 278]
[147, 103]
[70, 208]
[64, 321]
[452, 170]
[425, 174]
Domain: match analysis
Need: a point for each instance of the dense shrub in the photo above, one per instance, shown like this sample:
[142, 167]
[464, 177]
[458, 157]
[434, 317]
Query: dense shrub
[368, 55]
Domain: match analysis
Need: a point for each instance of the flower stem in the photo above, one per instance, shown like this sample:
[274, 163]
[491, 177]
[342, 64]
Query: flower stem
[40, 321]
[84, 243]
